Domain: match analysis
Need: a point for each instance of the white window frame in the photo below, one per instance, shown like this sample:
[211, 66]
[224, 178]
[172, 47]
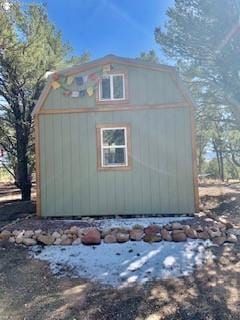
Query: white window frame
[111, 76]
[124, 146]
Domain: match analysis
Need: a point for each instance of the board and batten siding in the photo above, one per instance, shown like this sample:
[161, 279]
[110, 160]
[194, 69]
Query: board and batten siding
[145, 87]
[161, 178]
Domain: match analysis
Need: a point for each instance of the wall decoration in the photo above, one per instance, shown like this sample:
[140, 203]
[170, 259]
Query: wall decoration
[90, 91]
[87, 82]
[75, 94]
[55, 76]
[93, 76]
[55, 85]
[67, 93]
[79, 80]
[82, 93]
[70, 80]
[107, 68]
[85, 79]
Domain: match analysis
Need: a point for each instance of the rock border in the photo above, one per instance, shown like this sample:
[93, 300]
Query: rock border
[220, 233]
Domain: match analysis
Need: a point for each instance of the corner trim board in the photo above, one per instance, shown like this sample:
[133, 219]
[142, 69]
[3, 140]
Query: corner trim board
[37, 164]
[194, 161]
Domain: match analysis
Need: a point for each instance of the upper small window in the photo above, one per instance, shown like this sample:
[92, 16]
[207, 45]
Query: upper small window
[112, 87]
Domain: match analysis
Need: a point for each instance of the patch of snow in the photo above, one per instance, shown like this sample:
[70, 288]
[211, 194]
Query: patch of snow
[130, 222]
[120, 265]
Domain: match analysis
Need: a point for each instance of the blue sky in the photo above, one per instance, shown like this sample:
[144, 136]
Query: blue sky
[121, 27]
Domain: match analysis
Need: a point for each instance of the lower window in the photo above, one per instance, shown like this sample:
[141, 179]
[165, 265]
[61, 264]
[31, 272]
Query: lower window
[113, 146]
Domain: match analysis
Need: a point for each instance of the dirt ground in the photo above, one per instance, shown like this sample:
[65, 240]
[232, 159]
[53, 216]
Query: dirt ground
[29, 291]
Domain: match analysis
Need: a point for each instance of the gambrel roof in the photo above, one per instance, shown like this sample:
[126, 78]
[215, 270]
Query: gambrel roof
[110, 59]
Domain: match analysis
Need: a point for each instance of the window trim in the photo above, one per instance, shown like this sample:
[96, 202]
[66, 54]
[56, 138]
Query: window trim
[109, 102]
[111, 76]
[127, 147]
[124, 146]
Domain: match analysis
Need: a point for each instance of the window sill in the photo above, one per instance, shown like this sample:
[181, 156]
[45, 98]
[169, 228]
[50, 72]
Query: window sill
[120, 168]
[112, 102]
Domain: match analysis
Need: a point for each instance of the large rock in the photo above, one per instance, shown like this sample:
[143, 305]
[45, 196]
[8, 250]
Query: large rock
[29, 242]
[45, 239]
[77, 242]
[5, 235]
[168, 227]
[57, 241]
[91, 237]
[66, 242]
[12, 239]
[138, 226]
[19, 239]
[219, 240]
[178, 235]
[15, 233]
[214, 232]
[203, 235]
[177, 226]
[56, 235]
[136, 234]
[38, 232]
[228, 225]
[121, 230]
[110, 238]
[165, 235]
[191, 233]
[152, 229]
[234, 231]
[74, 230]
[105, 232]
[122, 237]
[232, 238]
[221, 226]
[28, 234]
[152, 238]
[199, 228]
[64, 237]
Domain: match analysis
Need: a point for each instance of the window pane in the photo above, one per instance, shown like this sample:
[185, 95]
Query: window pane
[105, 92]
[118, 87]
[113, 137]
[113, 156]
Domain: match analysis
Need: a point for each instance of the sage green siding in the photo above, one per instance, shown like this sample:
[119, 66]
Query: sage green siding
[160, 181]
[144, 86]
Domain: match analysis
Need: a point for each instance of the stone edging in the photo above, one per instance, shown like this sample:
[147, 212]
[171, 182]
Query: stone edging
[218, 234]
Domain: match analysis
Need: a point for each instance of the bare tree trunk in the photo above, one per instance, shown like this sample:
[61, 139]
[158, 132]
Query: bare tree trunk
[217, 155]
[23, 180]
[221, 165]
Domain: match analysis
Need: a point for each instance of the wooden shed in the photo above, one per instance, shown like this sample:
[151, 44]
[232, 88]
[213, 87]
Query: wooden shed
[115, 137]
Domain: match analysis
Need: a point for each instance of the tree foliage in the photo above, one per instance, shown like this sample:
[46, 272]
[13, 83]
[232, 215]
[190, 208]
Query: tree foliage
[149, 56]
[203, 37]
[30, 45]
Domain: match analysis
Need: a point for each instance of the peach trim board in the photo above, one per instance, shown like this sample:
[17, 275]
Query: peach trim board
[37, 164]
[194, 160]
[109, 108]
[98, 145]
